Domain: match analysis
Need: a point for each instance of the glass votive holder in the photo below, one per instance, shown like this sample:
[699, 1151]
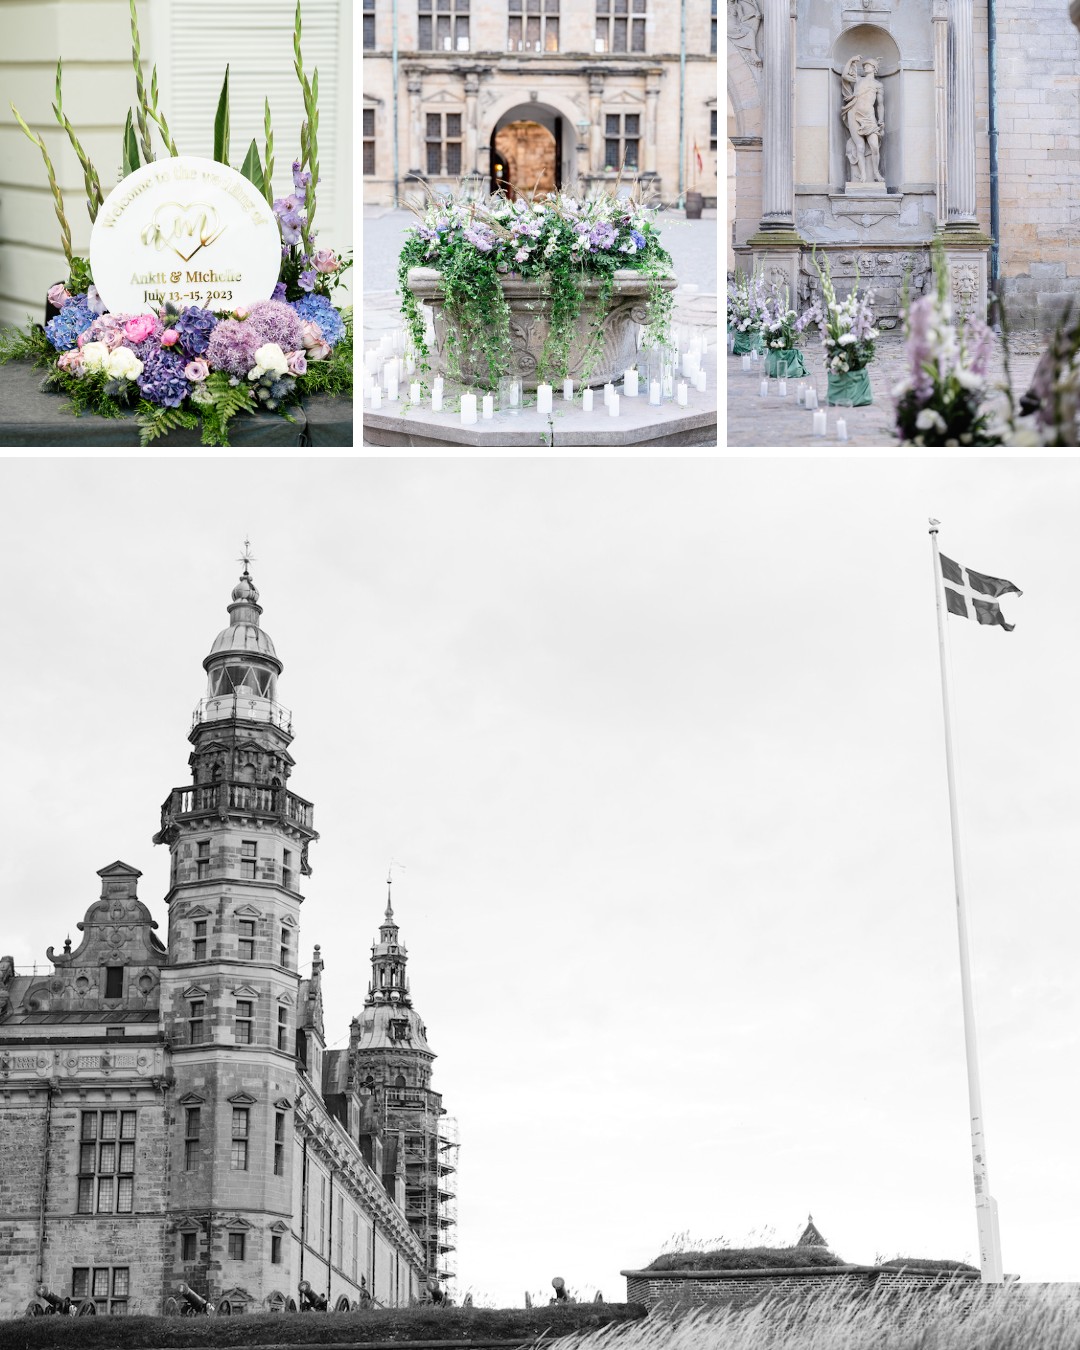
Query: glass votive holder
[510, 395]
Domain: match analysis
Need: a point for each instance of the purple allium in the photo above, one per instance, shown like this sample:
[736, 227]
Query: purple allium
[319, 310]
[63, 330]
[233, 345]
[275, 322]
[195, 326]
[162, 380]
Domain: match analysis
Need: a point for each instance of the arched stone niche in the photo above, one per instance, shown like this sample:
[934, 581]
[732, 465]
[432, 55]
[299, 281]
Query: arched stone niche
[868, 40]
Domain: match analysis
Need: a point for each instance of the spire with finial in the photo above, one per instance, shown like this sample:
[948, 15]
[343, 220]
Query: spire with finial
[389, 982]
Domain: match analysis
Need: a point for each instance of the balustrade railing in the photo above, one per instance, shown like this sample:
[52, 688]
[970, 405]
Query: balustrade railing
[253, 797]
[246, 707]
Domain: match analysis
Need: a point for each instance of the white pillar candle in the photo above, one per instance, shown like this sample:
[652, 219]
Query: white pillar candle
[682, 393]
[609, 389]
[410, 365]
[699, 383]
[586, 400]
[841, 429]
[755, 355]
[746, 363]
[630, 383]
[568, 390]
[391, 390]
[436, 400]
[376, 398]
[389, 372]
[690, 364]
[468, 408]
[437, 385]
[819, 422]
[414, 392]
[613, 405]
[654, 393]
[800, 393]
[543, 398]
[489, 405]
[781, 386]
[763, 389]
[810, 401]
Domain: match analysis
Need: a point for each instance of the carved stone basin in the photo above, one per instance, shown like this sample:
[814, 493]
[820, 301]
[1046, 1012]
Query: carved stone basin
[529, 327]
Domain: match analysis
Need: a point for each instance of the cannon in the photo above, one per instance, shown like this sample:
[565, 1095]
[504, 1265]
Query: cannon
[559, 1285]
[194, 1304]
[56, 1303]
[310, 1301]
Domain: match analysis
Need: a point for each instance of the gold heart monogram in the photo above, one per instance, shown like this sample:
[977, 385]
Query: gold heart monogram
[182, 228]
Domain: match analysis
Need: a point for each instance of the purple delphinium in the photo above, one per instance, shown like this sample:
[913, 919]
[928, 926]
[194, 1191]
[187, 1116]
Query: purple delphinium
[602, 235]
[76, 316]
[920, 345]
[233, 345]
[319, 310]
[195, 326]
[162, 380]
[273, 321]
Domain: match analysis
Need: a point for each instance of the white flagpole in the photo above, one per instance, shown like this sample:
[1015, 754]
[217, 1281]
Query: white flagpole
[985, 1205]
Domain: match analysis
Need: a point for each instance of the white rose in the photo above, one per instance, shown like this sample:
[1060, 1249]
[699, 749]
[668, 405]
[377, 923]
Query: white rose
[95, 356]
[123, 364]
[929, 420]
[269, 357]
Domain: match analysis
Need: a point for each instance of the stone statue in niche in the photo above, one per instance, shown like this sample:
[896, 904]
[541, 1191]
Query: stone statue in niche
[863, 115]
[744, 27]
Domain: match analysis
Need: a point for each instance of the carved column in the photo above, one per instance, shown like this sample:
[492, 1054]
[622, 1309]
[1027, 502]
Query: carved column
[961, 114]
[941, 107]
[652, 99]
[596, 130]
[416, 145]
[778, 188]
[472, 87]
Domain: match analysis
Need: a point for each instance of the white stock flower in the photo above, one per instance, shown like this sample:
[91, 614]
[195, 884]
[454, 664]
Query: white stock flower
[122, 364]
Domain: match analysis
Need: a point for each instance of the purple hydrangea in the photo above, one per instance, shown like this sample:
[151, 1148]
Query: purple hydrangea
[195, 326]
[481, 237]
[273, 321]
[602, 236]
[63, 330]
[233, 345]
[321, 311]
[162, 380]
[279, 291]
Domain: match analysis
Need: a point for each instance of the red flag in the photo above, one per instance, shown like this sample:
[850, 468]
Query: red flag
[697, 155]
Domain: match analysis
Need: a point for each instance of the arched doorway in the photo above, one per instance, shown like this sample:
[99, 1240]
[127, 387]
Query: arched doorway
[529, 150]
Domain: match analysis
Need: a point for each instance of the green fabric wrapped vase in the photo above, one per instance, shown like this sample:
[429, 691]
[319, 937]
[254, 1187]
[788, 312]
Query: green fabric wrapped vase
[746, 342]
[784, 363]
[852, 386]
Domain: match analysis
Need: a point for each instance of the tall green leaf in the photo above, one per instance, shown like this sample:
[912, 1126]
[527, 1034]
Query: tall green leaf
[131, 147]
[221, 124]
[252, 168]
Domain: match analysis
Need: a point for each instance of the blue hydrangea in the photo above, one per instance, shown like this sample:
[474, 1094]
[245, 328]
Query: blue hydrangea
[195, 326]
[319, 310]
[162, 380]
[76, 316]
[638, 238]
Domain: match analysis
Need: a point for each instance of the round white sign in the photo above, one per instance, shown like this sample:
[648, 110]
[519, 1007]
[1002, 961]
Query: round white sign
[187, 230]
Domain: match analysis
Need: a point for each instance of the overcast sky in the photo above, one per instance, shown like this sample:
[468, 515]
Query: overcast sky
[658, 745]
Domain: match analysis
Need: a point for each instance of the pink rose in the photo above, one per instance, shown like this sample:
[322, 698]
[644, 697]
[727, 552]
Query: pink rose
[59, 295]
[242, 311]
[297, 363]
[170, 337]
[325, 261]
[311, 333]
[71, 361]
[196, 371]
[319, 352]
[139, 328]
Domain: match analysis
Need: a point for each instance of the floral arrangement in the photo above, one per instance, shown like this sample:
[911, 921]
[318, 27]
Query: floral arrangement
[846, 326]
[778, 321]
[942, 401]
[745, 302]
[192, 367]
[561, 240]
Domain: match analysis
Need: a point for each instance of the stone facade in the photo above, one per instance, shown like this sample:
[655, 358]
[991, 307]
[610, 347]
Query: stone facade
[936, 154]
[170, 1112]
[449, 107]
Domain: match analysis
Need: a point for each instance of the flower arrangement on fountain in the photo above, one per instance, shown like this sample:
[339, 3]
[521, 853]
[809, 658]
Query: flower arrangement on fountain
[942, 401]
[187, 366]
[745, 302]
[848, 336]
[561, 241]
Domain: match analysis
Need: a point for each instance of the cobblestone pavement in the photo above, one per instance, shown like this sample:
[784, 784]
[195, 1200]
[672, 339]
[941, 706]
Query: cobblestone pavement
[754, 421]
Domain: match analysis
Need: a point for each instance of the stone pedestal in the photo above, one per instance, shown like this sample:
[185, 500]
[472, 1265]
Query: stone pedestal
[865, 189]
[966, 264]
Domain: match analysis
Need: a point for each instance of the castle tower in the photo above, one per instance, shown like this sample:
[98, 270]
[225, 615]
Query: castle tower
[238, 839]
[390, 1062]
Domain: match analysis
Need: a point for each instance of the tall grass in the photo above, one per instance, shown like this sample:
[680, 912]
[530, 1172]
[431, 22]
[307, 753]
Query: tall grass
[1009, 1317]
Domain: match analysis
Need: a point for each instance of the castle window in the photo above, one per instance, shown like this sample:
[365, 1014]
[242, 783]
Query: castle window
[282, 1028]
[713, 26]
[339, 1238]
[108, 1286]
[189, 1247]
[192, 1126]
[615, 25]
[322, 1214]
[275, 1249]
[285, 947]
[243, 1021]
[240, 1124]
[369, 24]
[451, 25]
[247, 939]
[531, 30]
[369, 140]
[198, 946]
[286, 871]
[248, 858]
[712, 129]
[106, 1182]
[444, 130]
[621, 133]
[202, 861]
[279, 1143]
[196, 1035]
[236, 1246]
[114, 981]
[355, 1244]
